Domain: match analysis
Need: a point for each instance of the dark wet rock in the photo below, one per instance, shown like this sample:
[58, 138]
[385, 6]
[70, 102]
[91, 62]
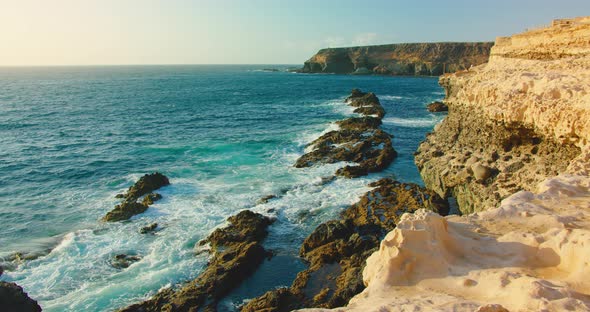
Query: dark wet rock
[360, 123]
[266, 198]
[14, 299]
[124, 211]
[337, 250]
[122, 261]
[1, 270]
[437, 107]
[150, 198]
[355, 93]
[280, 300]
[359, 140]
[130, 207]
[120, 196]
[352, 172]
[147, 184]
[149, 228]
[246, 226]
[237, 254]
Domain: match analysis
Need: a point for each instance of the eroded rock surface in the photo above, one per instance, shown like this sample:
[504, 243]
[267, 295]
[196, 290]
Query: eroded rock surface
[130, 205]
[524, 116]
[237, 253]
[512, 123]
[336, 250]
[358, 139]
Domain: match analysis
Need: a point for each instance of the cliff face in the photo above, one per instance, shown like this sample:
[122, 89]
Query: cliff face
[430, 59]
[514, 121]
[515, 149]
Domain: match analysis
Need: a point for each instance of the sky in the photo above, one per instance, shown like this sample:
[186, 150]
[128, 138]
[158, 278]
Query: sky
[117, 32]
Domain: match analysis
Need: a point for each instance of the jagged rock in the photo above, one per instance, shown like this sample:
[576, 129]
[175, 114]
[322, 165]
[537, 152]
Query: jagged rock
[238, 252]
[147, 184]
[14, 299]
[359, 140]
[150, 198]
[123, 261]
[336, 250]
[124, 211]
[280, 300]
[431, 59]
[148, 228]
[130, 207]
[437, 107]
[246, 226]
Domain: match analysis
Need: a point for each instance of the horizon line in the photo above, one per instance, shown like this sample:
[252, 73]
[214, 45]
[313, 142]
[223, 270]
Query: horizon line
[154, 64]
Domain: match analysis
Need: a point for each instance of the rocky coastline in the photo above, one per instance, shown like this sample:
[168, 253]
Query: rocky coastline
[514, 153]
[403, 59]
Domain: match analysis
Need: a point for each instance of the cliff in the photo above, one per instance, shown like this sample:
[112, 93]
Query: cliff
[430, 59]
[514, 152]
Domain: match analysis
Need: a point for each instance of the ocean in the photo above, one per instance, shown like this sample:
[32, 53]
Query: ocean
[72, 138]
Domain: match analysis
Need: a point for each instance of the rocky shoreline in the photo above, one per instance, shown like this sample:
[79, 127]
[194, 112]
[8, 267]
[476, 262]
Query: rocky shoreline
[514, 153]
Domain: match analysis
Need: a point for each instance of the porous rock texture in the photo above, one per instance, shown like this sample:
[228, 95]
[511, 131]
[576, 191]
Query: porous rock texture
[423, 59]
[530, 251]
[336, 250]
[518, 119]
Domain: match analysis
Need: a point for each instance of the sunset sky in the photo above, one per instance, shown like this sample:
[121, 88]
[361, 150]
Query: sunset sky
[88, 32]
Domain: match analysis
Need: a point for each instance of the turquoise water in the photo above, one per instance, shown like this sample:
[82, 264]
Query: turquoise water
[74, 137]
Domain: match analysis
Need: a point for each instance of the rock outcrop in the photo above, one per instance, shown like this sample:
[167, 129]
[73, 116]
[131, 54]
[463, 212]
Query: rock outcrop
[512, 122]
[424, 59]
[437, 106]
[337, 250]
[143, 187]
[517, 132]
[358, 139]
[14, 299]
[237, 253]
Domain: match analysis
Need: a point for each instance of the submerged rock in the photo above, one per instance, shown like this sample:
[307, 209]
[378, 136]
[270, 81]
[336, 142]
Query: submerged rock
[237, 254]
[130, 206]
[149, 228]
[123, 261]
[337, 250]
[14, 299]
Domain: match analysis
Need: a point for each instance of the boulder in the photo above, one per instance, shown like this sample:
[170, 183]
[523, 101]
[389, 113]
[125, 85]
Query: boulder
[149, 228]
[123, 261]
[14, 299]
[437, 107]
